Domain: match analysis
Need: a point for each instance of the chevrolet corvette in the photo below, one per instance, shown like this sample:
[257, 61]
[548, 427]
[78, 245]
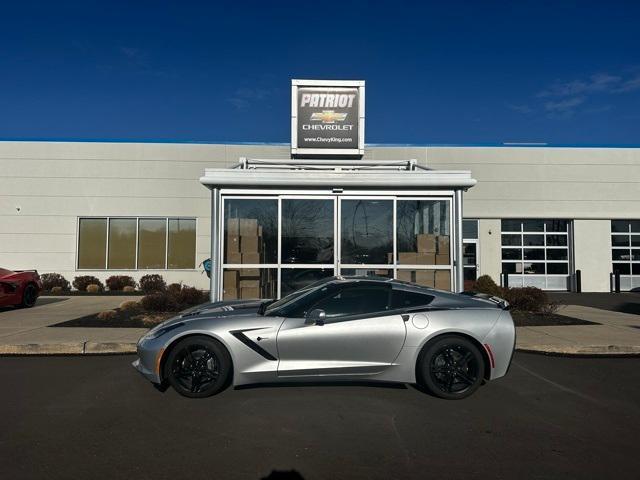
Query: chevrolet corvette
[20, 287]
[340, 328]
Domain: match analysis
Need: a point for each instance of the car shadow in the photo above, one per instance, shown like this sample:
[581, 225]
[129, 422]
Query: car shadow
[41, 302]
[345, 383]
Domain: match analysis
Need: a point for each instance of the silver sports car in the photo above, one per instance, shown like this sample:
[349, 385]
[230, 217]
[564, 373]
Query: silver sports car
[341, 328]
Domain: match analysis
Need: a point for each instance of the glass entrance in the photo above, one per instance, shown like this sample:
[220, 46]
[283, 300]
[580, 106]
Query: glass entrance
[275, 244]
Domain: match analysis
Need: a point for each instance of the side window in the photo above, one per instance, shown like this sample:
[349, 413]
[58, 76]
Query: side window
[405, 299]
[355, 301]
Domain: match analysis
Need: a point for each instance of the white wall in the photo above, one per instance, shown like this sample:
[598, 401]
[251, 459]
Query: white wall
[46, 186]
[592, 250]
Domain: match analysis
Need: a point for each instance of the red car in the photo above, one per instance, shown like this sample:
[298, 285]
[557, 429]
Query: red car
[20, 288]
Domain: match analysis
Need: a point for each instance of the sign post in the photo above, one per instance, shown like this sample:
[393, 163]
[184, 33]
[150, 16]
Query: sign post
[327, 118]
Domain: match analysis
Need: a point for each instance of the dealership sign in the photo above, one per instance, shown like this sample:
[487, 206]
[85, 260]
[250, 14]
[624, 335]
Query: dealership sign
[327, 117]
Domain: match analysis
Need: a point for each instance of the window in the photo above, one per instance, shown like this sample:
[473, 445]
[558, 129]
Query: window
[122, 243]
[152, 237]
[92, 243]
[358, 300]
[119, 243]
[405, 299]
[625, 252]
[536, 252]
[367, 232]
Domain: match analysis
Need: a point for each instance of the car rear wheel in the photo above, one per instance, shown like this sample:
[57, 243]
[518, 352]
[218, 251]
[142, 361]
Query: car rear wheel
[198, 367]
[29, 296]
[451, 367]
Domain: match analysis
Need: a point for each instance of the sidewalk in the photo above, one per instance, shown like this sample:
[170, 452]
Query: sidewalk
[29, 331]
[618, 334]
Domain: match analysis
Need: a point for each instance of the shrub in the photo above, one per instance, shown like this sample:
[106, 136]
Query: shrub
[54, 280]
[155, 302]
[56, 291]
[152, 283]
[118, 282]
[485, 284]
[93, 288]
[107, 315]
[174, 299]
[80, 283]
[129, 289]
[129, 305]
[528, 299]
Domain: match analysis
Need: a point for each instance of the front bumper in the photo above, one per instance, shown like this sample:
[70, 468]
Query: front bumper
[148, 361]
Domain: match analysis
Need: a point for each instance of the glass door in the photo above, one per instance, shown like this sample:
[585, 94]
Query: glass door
[307, 241]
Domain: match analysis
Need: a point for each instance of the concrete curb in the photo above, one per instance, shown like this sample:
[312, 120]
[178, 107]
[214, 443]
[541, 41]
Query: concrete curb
[76, 348]
[582, 350]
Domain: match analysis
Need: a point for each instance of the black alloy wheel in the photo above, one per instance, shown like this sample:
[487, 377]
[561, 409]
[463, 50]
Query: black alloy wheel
[29, 296]
[198, 367]
[452, 368]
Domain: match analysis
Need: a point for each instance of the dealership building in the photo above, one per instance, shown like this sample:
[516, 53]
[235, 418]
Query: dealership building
[274, 217]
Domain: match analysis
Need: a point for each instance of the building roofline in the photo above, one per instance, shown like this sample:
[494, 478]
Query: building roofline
[287, 144]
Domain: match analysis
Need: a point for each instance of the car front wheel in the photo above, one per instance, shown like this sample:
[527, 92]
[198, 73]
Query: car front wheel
[451, 367]
[198, 367]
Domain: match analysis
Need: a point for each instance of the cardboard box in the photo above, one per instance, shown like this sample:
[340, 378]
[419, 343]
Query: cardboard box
[250, 272]
[249, 226]
[390, 258]
[423, 258]
[443, 244]
[253, 257]
[249, 243]
[443, 279]
[405, 275]
[425, 278]
[406, 258]
[230, 294]
[230, 279]
[234, 257]
[244, 283]
[233, 243]
[382, 273]
[426, 243]
[233, 226]
[249, 293]
[442, 259]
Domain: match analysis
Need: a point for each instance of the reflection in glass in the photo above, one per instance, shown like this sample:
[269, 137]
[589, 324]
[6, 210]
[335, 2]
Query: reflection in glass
[122, 243]
[440, 279]
[469, 254]
[293, 279]
[249, 283]
[622, 268]
[152, 240]
[367, 272]
[556, 225]
[557, 268]
[533, 225]
[534, 254]
[557, 254]
[509, 267]
[621, 254]
[534, 268]
[423, 232]
[182, 243]
[92, 243]
[511, 254]
[511, 240]
[250, 231]
[533, 240]
[511, 225]
[556, 240]
[621, 226]
[367, 231]
[470, 229]
[307, 231]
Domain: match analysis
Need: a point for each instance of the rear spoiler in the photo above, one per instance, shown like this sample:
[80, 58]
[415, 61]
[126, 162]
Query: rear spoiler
[500, 302]
[22, 271]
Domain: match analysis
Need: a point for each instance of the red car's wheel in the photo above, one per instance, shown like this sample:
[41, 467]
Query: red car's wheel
[29, 296]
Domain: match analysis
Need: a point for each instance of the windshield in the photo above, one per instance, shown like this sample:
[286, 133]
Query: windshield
[275, 307]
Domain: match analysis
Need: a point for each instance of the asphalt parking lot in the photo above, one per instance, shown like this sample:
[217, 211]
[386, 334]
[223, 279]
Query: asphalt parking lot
[95, 417]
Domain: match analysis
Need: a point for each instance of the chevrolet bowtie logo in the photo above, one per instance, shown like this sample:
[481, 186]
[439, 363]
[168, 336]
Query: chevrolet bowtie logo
[328, 116]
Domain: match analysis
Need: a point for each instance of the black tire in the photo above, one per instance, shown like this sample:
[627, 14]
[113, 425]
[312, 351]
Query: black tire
[451, 367]
[29, 296]
[198, 367]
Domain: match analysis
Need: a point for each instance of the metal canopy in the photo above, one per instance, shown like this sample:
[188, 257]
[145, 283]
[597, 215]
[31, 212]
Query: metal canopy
[392, 174]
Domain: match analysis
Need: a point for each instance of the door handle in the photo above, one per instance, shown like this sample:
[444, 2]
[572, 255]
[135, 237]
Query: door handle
[405, 317]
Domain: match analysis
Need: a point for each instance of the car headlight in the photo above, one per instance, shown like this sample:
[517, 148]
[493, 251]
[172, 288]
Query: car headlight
[160, 330]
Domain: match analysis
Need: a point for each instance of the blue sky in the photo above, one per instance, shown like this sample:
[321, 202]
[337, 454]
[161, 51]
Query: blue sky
[437, 72]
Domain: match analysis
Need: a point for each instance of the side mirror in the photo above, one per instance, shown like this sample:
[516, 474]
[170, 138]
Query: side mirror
[315, 317]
